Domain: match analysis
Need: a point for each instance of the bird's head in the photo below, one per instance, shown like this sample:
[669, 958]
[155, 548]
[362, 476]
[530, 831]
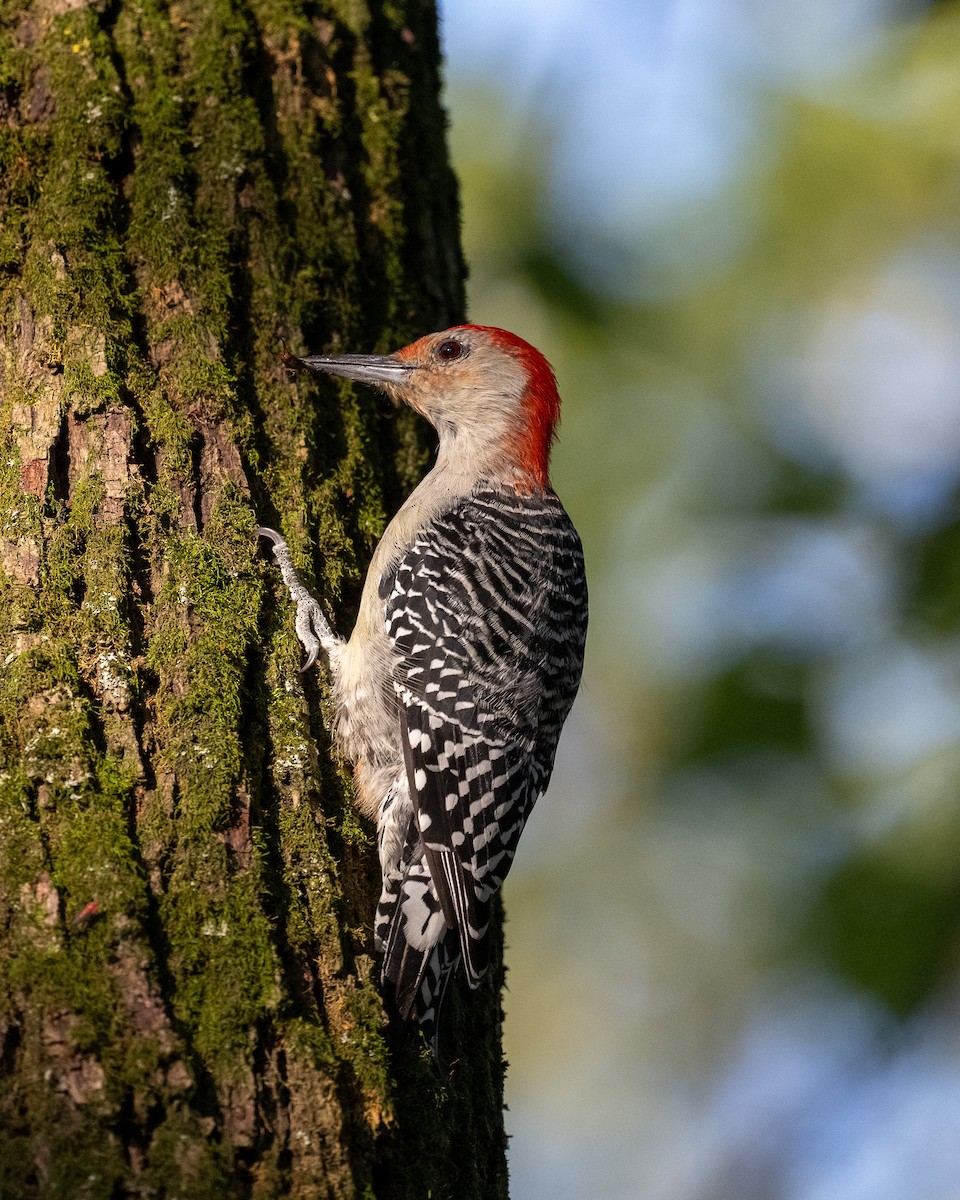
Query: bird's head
[490, 395]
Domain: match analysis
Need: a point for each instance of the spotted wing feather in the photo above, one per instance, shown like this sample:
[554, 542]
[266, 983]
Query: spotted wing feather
[487, 614]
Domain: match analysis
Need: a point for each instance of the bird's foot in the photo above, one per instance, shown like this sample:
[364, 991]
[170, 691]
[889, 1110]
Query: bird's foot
[313, 630]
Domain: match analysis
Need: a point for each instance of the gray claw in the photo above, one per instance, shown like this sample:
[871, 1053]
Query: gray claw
[263, 532]
[311, 625]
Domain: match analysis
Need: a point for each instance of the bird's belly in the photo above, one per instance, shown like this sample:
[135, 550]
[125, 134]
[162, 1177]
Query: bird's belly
[367, 723]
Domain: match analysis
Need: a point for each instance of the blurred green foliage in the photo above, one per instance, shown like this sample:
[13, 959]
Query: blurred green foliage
[679, 461]
[886, 929]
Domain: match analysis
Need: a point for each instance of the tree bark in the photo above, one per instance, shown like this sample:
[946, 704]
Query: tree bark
[188, 993]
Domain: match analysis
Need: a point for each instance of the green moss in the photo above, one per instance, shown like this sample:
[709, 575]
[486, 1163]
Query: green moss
[355, 15]
[84, 1165]
[22, 860]
[365, 1048]
[223, 958]
[73, 269]
[309, 1040]
[205, 617]
[184, 1161]
[311, 876]
[20, 513]
[88, 391]
[95, 859]
[62, 564]
[16, 1166]
[173, 437]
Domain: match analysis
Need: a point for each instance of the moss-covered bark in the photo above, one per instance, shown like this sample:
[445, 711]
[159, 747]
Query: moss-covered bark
[188, 1004]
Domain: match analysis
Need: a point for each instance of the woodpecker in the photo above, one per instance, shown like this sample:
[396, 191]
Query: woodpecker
[466, 655]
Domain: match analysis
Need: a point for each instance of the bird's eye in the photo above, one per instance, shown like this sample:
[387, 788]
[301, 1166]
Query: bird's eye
[449, 350]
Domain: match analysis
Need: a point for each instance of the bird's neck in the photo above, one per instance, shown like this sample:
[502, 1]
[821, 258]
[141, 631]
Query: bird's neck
[514, 451]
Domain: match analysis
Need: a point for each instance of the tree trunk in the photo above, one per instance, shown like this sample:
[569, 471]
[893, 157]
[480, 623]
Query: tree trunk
[189, 1003]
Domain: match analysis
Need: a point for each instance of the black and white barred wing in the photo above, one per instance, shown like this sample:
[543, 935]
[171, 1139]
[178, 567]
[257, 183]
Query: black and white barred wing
[488, 614]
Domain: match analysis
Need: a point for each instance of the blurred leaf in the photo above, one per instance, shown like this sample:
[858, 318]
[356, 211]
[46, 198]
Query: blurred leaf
[756, 704]
[891, 933]
[935, 595]
[797, 489]
[560, 287]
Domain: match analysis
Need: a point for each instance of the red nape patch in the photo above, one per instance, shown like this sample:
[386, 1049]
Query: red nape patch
[543, 402]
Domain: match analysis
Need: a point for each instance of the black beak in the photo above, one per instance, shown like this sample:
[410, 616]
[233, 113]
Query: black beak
[367, 368]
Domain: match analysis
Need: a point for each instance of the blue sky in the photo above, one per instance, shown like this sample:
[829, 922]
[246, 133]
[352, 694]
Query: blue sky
[656, 101]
